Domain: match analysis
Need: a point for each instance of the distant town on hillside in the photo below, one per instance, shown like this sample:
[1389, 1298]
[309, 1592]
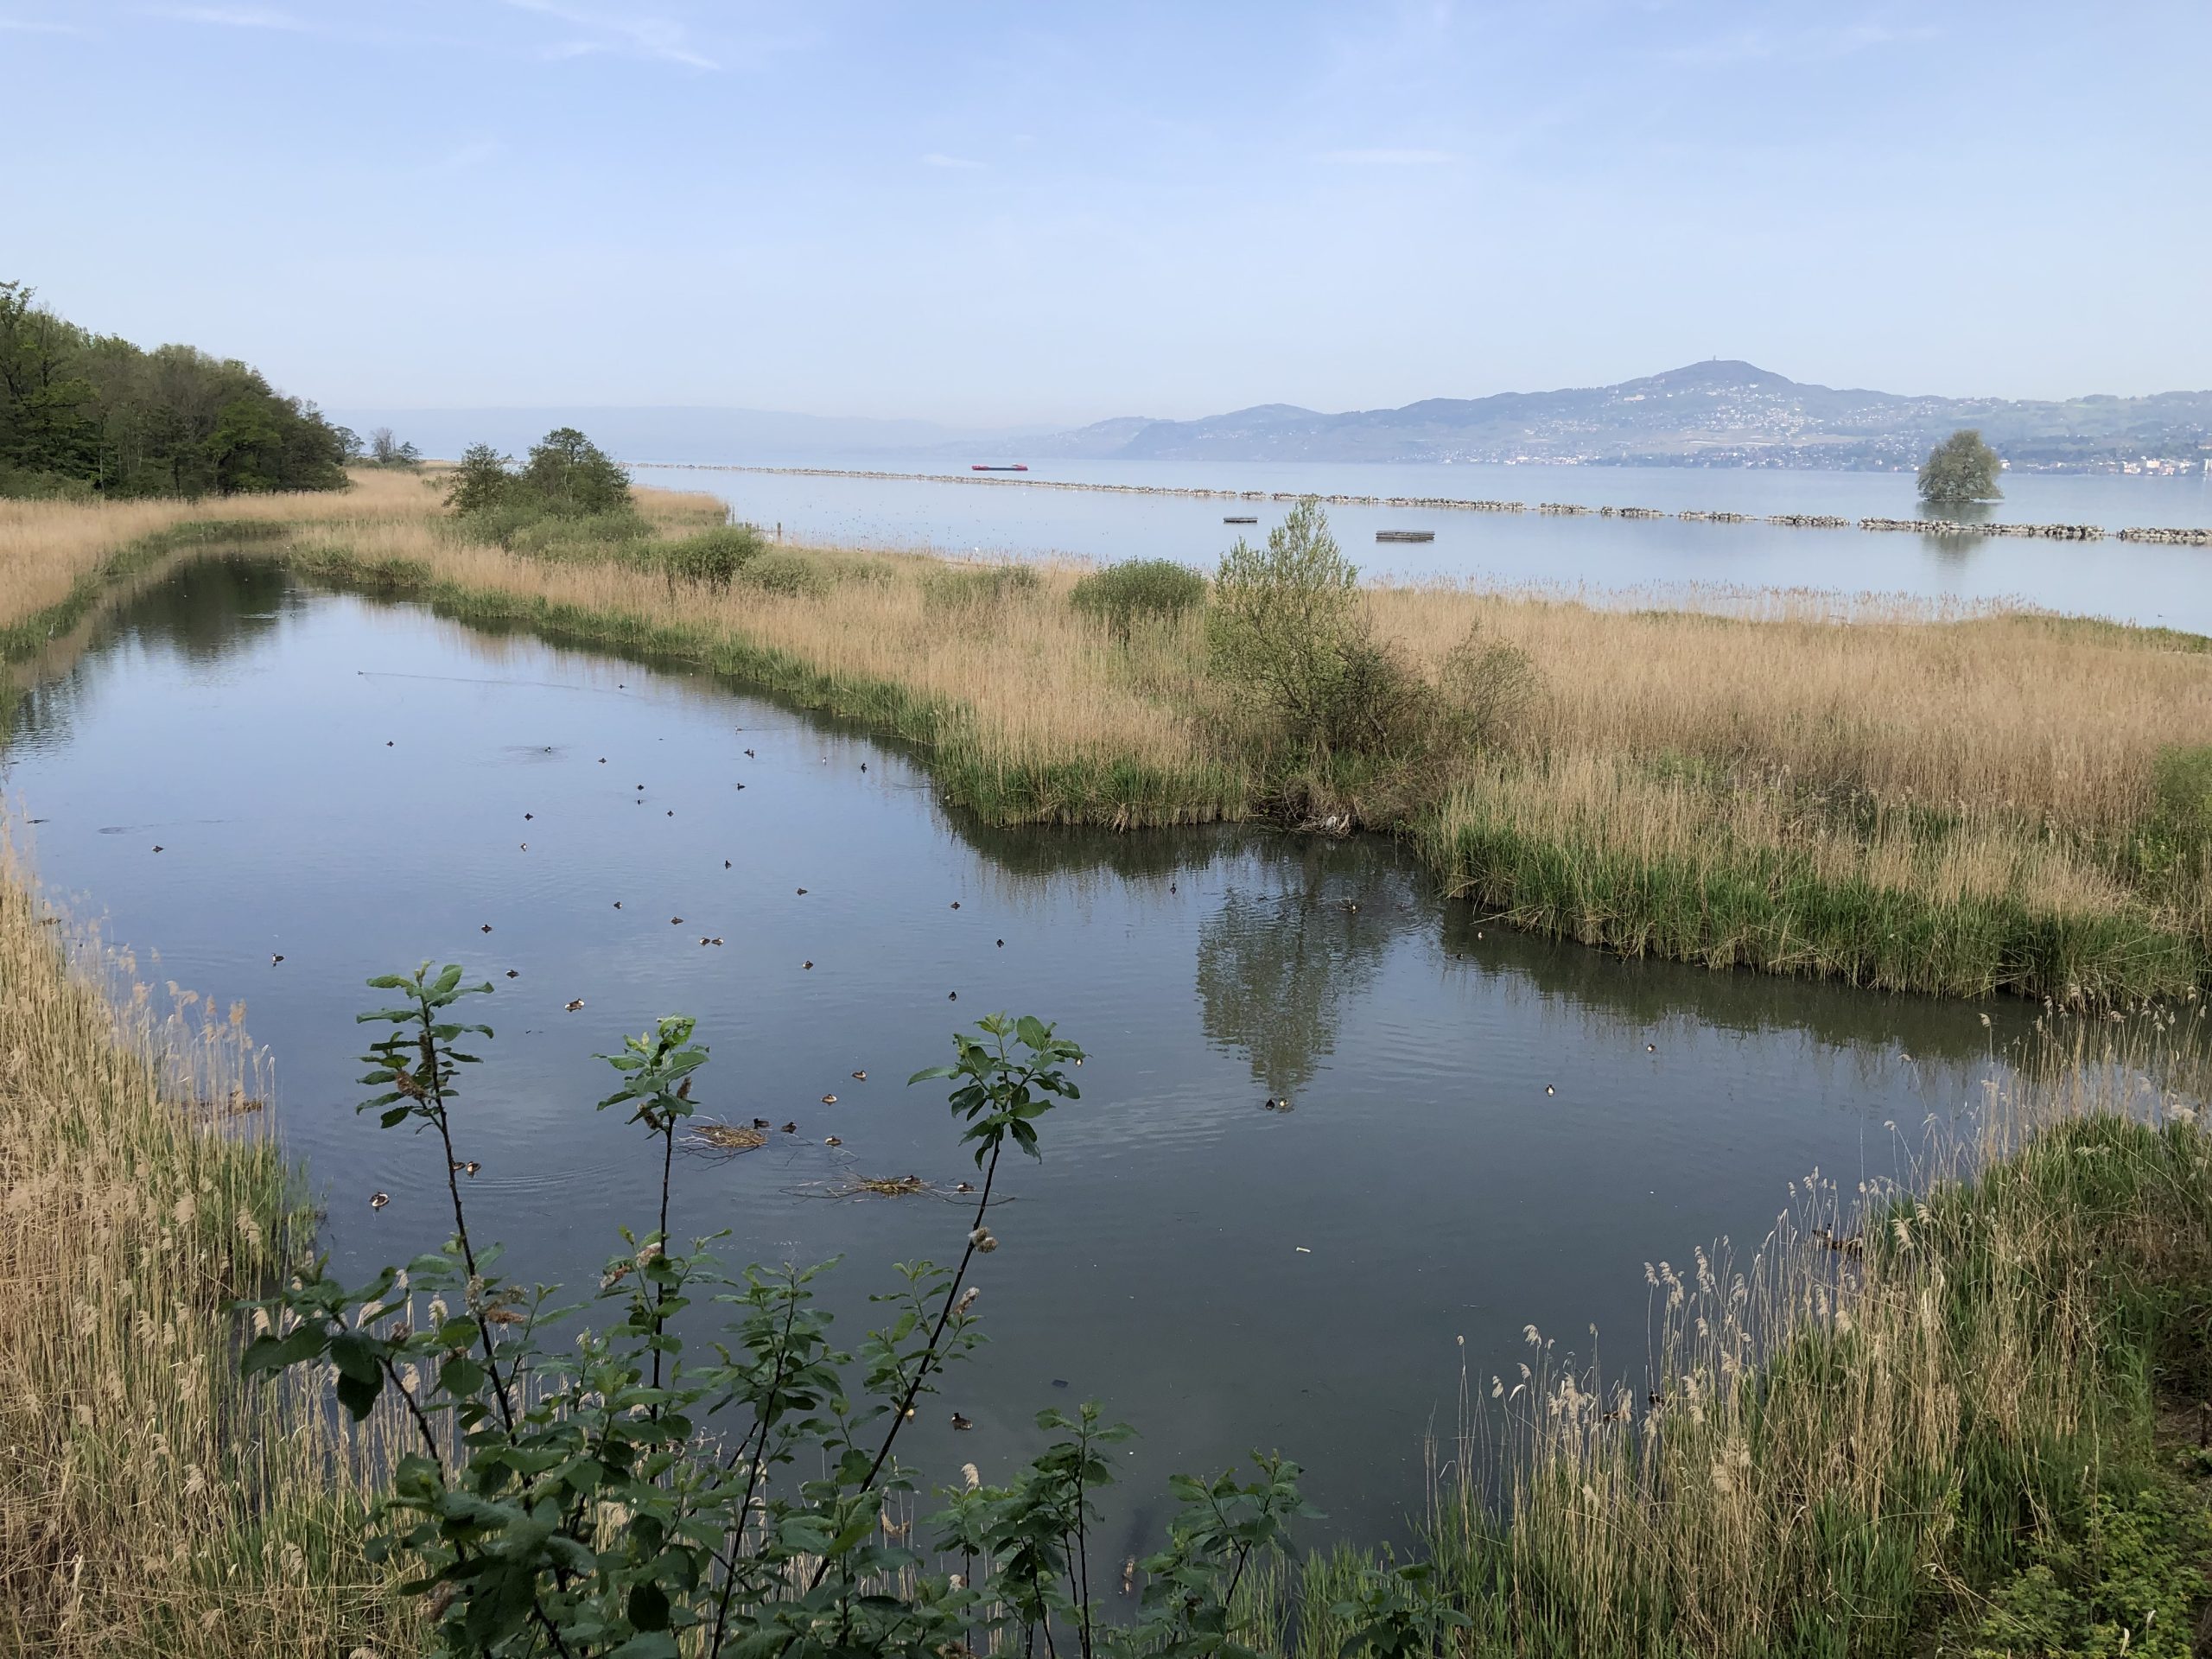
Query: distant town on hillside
[1712, 414]
[1720, 413]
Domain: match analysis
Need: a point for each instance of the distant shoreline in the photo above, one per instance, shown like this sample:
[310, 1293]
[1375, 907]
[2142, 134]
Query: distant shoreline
[2174, 535]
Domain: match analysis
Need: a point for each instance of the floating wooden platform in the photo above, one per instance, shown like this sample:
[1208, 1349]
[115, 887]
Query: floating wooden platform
[1234, 519]
[1405, 535]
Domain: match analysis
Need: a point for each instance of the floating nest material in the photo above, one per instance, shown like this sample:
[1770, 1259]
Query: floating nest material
[888, 1186]
[727, 1137]
[879, 1186]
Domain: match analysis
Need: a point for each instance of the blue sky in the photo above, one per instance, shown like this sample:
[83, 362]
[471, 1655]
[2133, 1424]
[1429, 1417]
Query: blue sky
[1035, 212]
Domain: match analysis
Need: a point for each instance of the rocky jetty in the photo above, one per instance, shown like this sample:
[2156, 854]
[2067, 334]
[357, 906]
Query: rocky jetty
[1951, 527]
[2171, 536]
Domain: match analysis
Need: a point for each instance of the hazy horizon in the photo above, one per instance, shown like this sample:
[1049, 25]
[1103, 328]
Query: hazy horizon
[993, 218]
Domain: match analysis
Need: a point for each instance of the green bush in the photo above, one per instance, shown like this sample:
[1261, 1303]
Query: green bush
[522, 528]
[566, 476]
[1285, 632]
[2175, 834]
[2130, 1584]
[979, 588]
[589, 1479]
[2182, 780]
[713, 557]
[793, 575]
[1141, 590]
[1486, 688]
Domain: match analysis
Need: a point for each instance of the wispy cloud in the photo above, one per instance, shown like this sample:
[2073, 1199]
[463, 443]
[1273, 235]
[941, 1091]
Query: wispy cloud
[36, 25]
[1389, 157]
[938, 158]
[233, 17]
[619, 33]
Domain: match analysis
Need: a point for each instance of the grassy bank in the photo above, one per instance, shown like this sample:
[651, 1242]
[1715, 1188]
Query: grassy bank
[1969, 1422]
[150, 1502]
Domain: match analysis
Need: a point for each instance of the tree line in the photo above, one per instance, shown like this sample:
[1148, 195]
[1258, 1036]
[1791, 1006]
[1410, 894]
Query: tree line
[84, 415]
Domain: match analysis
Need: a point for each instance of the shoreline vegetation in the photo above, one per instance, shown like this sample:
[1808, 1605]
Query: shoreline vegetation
[1963, 1420]
[2185, 536]
[1962, 802]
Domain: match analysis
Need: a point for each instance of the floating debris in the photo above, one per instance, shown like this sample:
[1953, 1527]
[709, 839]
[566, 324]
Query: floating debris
[727, 1137]
[1405, 535]
[891, 1186]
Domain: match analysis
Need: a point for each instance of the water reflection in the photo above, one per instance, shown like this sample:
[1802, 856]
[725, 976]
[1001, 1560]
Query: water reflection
[1277, 969]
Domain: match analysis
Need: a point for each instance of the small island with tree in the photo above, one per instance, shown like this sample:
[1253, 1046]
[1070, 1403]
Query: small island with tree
[1962, 468]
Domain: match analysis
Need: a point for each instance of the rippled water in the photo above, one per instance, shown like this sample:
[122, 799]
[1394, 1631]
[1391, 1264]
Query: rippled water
[352, 784]
[2131, 582]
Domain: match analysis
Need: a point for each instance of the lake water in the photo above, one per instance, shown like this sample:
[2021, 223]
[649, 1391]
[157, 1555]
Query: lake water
[2129, 581]
[352, 784]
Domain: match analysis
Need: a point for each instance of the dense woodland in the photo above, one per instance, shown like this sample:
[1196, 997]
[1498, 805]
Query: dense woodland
[89, 415]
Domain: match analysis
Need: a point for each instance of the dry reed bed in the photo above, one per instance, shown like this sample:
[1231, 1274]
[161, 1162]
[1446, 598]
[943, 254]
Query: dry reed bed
[47, 546]
[1998, 711]
[151, 1502]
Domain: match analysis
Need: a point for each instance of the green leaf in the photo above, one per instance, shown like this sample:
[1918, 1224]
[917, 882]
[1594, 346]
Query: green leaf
[355, 1355]
[359, 1394]
[648, 1608]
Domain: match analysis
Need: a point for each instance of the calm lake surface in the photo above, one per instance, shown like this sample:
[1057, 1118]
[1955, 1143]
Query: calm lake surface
[2129, 581]
[351, 784]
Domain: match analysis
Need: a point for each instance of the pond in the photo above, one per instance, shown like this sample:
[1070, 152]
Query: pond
[1489, 1131]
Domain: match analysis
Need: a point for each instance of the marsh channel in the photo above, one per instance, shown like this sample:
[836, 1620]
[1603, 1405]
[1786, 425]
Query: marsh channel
[1487, 1131]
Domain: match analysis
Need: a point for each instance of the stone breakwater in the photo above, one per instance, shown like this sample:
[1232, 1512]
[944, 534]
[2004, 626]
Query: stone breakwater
[1950, 527]
[2174, 537]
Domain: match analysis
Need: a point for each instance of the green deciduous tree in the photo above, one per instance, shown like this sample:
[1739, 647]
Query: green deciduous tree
[572, 477]
[82, 412]
[485, 480]
[1960, 468]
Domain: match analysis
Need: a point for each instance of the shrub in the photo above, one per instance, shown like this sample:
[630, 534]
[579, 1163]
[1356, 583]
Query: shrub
[524, 529]
[572, 477]
[1284, 631]
[483, 482]
[792, 574]
[981, 587]
[567, 476]
[1141, 590]
[613, 1492]
[2175, 834]
[1485, 690]
[2182, 782]
[713, 557]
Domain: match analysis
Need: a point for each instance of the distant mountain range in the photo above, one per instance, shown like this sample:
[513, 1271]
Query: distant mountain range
[1717, 413]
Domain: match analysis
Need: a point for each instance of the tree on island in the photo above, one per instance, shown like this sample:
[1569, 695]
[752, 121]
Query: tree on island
[1960, 468]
